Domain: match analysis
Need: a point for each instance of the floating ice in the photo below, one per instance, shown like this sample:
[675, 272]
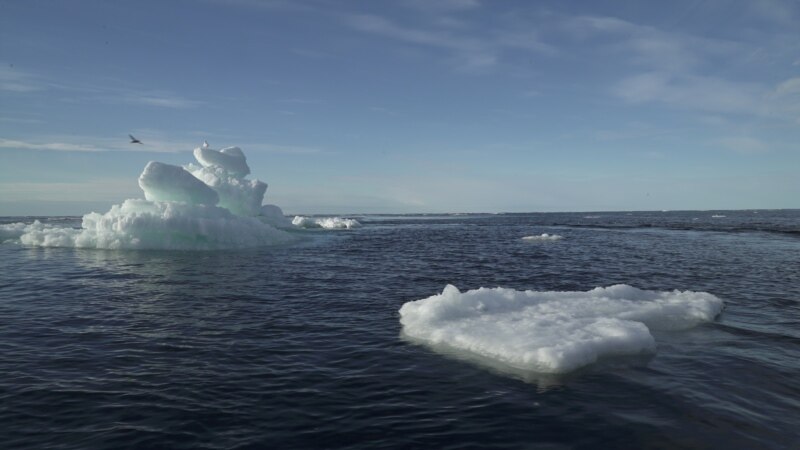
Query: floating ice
[552, 332]
[142, 224]
[543, 237]
[328, 223]
[193, 208]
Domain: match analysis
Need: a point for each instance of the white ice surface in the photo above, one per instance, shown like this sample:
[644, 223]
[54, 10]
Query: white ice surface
[328, 223]
[231, 159]
[543, 237]
[237, 194]
[167, 183]
[552, 332]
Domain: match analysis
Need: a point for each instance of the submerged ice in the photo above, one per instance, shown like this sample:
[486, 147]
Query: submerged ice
[552, 332]
[210, 206]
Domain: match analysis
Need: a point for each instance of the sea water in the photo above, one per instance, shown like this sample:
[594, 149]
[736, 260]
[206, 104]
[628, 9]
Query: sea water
[301, 344]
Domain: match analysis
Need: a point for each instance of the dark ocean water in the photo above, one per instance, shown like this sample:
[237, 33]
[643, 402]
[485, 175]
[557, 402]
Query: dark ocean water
[299, 346]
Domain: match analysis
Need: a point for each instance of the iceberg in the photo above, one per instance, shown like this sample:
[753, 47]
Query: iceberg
[552, 332]
[189, 208]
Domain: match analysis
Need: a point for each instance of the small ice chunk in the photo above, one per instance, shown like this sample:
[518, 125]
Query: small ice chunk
[543, 237]
[328, 223]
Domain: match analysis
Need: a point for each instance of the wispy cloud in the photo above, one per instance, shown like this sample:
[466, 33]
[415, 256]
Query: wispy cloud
[21, 120]
[442, 5]
[789, 87]
[283, 149]
[471, 52]
[57, 146]
[467, 50]
[152, 142]
[382, 110]
[652, 48]
[743, 144]
[686, 71]
[28, 82]
[708, 94]
[301, 101]
[162, 100]
[89, 190]
[15, 80]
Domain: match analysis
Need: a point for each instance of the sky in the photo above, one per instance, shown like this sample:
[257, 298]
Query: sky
[409, 105]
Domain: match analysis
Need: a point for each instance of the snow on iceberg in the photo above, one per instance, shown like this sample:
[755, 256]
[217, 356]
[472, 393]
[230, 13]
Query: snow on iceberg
[167, 183]
[328, 223]
[237, 194]
[192, 208]
[543, 237]
[230, 159]
[552, 332]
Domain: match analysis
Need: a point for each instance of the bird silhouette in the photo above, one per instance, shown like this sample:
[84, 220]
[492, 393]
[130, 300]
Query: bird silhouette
[205, 144]
[134, 140]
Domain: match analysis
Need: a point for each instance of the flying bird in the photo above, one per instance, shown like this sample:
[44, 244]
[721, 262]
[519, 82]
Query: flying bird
[134, 140]
[205, 144]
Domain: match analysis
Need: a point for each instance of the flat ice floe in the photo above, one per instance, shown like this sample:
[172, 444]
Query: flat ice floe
[543, 237]
[328, 223]
[552, 332]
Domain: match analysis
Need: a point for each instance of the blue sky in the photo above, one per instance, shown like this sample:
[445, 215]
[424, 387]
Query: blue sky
[409, 105]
